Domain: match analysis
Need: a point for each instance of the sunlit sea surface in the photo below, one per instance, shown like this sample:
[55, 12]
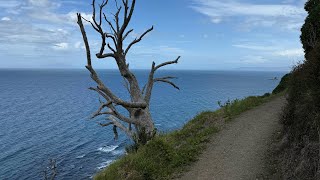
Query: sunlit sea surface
[44, 114]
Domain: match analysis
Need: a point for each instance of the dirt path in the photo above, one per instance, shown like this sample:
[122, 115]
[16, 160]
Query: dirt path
[239, 150]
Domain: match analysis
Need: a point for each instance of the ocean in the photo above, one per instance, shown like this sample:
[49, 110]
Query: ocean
[45, 114]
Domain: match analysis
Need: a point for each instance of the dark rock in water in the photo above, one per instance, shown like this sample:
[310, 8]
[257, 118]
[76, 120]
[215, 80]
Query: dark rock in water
[275, 78]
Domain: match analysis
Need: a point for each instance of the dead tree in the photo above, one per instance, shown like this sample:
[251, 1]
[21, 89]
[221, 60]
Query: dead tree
[113, 42]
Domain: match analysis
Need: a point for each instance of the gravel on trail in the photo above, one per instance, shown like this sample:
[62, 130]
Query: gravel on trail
[239, 150]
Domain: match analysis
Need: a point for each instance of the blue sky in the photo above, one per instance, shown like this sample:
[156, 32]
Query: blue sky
[208, 34]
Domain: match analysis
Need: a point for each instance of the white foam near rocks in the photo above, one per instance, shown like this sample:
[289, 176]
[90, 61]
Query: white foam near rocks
[105, 164]
[108, 148]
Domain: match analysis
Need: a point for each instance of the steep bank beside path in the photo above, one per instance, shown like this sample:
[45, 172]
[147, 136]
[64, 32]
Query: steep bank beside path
[239, 150]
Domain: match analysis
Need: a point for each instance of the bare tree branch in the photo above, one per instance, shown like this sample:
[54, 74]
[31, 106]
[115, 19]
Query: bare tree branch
[143, 89]
[167, 63]
[113, 111]
[114, 51]
[94, 11]
[102, 106]
[103, 4]
[100, 12]
[116, 18]
[125, 4]
[111, 37]
[110, 24]
[120, 126]
[101, 56]
[127, 18]
[154, 68]
[115, 132]
[126, 85]
[137, 40]
[94, 27]
[125, 104]
[102, 113]
[126, 35]
[98, 28]
[149, 85]
[106, 124]
[168, 77]
[125, 119]
[110, 95]
[166, 81]
[101, 93]
[85, 39]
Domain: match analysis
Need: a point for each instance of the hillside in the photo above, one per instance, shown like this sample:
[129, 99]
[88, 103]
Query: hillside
[300, 157]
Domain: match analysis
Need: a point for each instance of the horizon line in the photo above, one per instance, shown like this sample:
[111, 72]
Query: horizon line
[275, 69]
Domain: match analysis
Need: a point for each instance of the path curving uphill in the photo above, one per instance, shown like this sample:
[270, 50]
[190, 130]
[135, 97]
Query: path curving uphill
[239, 150]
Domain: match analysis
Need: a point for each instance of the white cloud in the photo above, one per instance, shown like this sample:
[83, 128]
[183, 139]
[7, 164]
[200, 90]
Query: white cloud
[288, 1]
[80, 46]
[253, 59]
[284, 15]
[34, 26]
[216, 8]
[9, 4]
[61, 46]
[43, 3]
[43, 10]
[20, 32]
[254, 47]
[155, 51]
[20, 38]
[5, 19]
[216, 20]
[68, 19]
[77, 45]
[271, 51]
[290, 53]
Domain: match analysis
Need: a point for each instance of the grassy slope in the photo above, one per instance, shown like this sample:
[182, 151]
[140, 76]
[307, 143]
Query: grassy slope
[170, 154]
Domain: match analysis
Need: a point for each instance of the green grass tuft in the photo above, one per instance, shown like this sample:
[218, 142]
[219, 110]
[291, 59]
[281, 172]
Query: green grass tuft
[234, 108]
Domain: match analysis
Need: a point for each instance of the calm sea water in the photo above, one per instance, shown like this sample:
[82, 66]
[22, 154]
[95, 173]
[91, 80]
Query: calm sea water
[45, 114]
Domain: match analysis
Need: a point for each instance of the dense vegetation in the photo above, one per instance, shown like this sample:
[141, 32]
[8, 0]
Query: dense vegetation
[283, 85]
[301, 116]
[168, 154]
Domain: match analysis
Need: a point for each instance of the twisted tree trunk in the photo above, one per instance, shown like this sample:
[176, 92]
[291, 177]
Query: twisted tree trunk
[138, 106]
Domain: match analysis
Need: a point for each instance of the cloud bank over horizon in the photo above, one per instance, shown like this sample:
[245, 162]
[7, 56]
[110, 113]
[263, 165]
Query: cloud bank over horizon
[208, 34]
